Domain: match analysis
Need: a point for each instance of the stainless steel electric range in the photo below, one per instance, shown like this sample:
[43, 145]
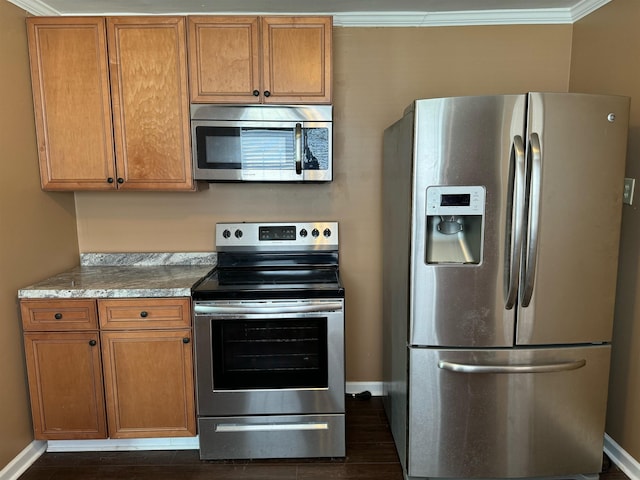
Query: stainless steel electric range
[269, 343]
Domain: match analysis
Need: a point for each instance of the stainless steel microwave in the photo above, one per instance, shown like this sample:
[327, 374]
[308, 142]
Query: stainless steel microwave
[262, 143]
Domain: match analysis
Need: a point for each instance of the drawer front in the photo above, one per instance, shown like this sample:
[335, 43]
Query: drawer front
[46, 315]
[119, 314]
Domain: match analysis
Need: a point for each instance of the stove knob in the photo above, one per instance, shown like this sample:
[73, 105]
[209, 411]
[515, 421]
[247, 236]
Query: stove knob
[327, 232]
[226, 233]
[303, 232]
[315, 233]
[238, 233]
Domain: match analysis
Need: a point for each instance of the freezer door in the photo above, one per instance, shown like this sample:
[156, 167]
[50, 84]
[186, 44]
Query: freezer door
[507, 413]
[576, 152]
[475, 143]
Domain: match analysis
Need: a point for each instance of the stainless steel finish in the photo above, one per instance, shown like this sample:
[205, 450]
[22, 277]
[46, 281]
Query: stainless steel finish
[506, 424]
[246, 237]
[271, 427]
[286, 436]
[259, 113]
[213, 402]
[530, 252]
[543, 368]
[515, 218]
[264, 116]
[239, 309]
[476, 158]
[298, 136]
[580, 214]
[478, 385]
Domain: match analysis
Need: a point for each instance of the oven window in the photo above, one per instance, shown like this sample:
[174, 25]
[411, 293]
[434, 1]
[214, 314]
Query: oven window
[257, 354]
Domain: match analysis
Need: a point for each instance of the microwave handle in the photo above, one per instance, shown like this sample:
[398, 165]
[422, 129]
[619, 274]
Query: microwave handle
[298, 148]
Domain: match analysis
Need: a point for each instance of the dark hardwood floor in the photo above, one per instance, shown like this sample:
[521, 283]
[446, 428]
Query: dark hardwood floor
[371, 455]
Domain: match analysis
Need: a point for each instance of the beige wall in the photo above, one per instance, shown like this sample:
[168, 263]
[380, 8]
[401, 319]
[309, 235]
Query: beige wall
[377, 72]
[37, 230]
[606, 59]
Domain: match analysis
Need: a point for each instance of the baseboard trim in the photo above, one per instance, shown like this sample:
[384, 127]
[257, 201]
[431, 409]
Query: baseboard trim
[115, 444]
[356, 387]
[618, 455]
[23, 460]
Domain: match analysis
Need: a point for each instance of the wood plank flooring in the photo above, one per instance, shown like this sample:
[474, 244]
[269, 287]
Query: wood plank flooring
[371, 455]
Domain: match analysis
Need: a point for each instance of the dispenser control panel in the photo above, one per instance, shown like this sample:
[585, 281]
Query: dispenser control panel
[455, 200]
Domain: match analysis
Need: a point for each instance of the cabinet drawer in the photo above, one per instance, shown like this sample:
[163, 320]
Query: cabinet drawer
[56, 315]
[144, 313]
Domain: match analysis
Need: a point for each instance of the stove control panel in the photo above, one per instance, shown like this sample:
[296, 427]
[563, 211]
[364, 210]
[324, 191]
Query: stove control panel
[277, 236]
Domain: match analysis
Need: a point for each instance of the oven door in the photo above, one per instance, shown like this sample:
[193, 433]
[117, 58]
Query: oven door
[269, 357]
[266, 151]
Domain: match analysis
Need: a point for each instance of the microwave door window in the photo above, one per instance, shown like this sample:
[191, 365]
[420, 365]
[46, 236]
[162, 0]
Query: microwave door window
[267, 148]
[218, 147]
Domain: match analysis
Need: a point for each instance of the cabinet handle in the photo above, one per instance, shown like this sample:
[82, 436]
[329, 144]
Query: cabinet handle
[186, 340]
[144, 314]
[256, 93]
[267, 93]
[120, 180]
[58, 316]
[110, 180]
[92, 343]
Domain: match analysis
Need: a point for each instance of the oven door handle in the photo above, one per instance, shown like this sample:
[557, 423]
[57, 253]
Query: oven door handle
[257, 308]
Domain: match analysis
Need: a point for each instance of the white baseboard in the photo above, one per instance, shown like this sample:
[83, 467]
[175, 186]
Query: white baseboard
[115, 444]
[356, 387]
[625, 462]
[23, 460]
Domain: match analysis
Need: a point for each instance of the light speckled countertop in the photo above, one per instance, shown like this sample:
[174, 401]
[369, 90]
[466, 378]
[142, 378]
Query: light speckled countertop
[121, 275]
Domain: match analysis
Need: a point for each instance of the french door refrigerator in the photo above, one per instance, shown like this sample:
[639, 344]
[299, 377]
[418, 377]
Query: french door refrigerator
[501, 220]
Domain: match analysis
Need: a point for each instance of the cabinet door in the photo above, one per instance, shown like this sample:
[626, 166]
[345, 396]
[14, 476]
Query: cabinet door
[224, 59]
[65, 385]
[148, 66]
[149, 383]
[72, 104]
[296, 57]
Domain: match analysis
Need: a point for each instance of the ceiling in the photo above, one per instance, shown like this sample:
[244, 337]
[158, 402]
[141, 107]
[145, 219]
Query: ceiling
[345, 12]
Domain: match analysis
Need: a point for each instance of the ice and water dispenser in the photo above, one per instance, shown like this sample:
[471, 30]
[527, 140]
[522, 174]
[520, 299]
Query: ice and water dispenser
[455, 219]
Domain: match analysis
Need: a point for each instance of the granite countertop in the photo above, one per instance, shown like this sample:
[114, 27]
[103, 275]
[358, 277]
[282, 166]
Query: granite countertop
[122, 275]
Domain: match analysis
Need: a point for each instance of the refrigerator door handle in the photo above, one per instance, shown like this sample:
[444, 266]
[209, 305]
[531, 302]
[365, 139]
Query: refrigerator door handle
[531, 248]
[515, 219]
[543, 368]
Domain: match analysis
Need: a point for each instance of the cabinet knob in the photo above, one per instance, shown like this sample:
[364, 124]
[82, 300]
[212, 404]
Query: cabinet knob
[58, 316]
[92, 343]
[144, 314]
[186, 340]
[110, 180]
[267, 93]
[120, 180]
[256, 93]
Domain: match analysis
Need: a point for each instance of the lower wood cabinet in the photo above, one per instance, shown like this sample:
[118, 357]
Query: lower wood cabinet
[65, 382]
[126, 372]
[149, 383]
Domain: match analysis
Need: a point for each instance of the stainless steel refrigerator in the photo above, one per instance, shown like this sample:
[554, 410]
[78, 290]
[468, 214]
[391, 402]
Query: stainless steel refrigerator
[501, 219]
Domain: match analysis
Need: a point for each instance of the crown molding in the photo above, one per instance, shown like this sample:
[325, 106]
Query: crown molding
[36, 7]
[397, 19]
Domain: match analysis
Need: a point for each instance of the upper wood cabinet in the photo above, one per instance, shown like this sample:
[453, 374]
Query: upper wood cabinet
[151, 122]
[111, 102]
[260, 59]
[70, 80]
